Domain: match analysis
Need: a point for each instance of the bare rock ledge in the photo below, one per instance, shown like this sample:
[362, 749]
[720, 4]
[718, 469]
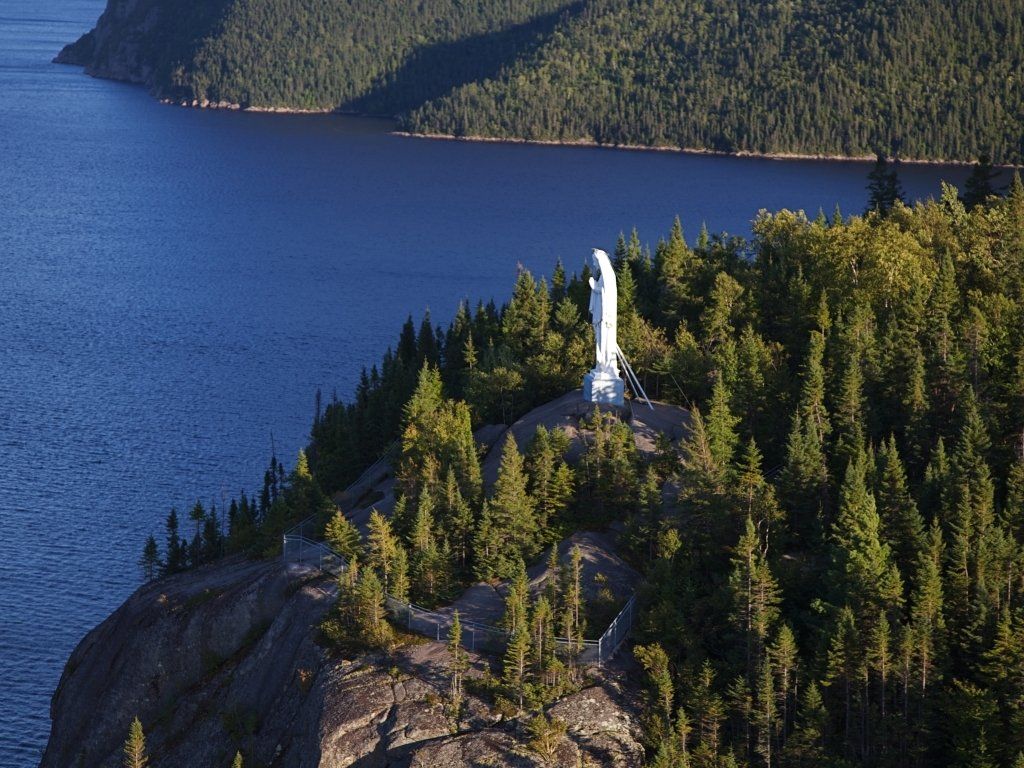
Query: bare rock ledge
[225, 658]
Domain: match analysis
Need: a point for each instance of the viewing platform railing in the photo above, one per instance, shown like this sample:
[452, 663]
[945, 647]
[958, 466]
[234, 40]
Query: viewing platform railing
[476, 636]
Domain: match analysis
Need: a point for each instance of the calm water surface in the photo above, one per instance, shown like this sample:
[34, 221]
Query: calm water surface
[176, 284]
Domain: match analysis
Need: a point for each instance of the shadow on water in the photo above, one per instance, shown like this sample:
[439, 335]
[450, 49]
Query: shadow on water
[449, 65]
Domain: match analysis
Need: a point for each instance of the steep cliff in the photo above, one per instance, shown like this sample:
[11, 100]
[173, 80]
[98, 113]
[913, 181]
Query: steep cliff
[225, 658]
[145, 41]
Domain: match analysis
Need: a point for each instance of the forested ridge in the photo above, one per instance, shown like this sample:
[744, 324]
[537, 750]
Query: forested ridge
[833, 555]
[923, 78]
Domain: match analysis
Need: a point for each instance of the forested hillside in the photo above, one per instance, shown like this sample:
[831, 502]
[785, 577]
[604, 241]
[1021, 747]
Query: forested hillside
[925, 78]
[834, 553]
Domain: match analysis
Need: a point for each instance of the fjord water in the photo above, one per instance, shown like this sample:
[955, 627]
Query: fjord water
[176, 284]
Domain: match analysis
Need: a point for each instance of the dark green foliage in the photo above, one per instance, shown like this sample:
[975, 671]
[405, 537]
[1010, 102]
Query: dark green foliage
[508, 530]
[884, 188]
[358, 621]
[832, 546]
[978, 186]
[926, 77]
[929, 78]
[149, 562]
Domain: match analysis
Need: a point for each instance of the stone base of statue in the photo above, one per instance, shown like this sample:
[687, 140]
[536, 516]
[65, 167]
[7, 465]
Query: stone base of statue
[604, 387]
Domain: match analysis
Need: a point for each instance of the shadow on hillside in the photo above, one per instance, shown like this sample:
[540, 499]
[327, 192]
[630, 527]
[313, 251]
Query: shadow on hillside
[434, 70]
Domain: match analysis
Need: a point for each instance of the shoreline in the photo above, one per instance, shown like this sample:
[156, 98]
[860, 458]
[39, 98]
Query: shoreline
[585, 143]
[743, 154]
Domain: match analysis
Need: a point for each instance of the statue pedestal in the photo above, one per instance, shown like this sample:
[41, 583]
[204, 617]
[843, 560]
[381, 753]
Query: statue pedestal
[604, 387]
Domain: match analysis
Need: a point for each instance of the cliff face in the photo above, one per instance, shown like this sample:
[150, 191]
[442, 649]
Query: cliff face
[224, 659]
[149, 42]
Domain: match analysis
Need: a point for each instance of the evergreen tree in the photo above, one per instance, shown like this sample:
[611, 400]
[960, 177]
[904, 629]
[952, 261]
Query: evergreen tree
[926, 607]
[175, 550]
[978, 187]
[135, 747]
[516, 664]
[342, 536]
[806, 747]
[867, 579]
[366, 612]
[674, 266]
[458, 663]
[721, 427]
[542, 631]
[574, 624]
[902, 527]
[399, 585]
[660, 691]
[755, 598]
[508, 527]
[884, 188]
[382, 548]
[149, 562]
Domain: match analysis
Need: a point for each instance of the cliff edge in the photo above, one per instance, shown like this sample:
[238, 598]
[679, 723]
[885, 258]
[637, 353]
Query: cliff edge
[225, 658]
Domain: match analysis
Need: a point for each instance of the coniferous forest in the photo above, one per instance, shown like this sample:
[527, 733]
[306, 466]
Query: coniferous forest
[833, 555]
[923, 78]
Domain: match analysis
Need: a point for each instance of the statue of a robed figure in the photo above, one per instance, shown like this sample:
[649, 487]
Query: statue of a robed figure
[603, 384]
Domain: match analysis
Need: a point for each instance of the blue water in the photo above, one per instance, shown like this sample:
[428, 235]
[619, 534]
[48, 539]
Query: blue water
[175, 285]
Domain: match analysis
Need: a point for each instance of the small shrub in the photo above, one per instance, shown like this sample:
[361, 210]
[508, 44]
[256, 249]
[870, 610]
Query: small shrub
[546, 736]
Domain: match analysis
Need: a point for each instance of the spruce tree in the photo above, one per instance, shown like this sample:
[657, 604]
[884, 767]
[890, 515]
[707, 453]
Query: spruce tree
[978, 187]
[542, 640]
[927, 607]
[508, 527]
[806, 747]
[458, 664]
[574, 624]
[660, 691]
[884, 188]
[783, 656]
[755, 598]
[381, 548]
[721, 428]
[516, 663]
[674, 267]
[368, 613]
[849, 416]
[902, 527]
[455, 520]
[135, 747]
[867, 579]
[175, 550]
[398, 586]
[342, 536]
[149, 562]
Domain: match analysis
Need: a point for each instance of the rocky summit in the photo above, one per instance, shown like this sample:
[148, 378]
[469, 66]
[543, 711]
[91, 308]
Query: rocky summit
[225, 658]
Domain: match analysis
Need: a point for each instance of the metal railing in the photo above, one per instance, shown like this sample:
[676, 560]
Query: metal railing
[476, 636]
[299, 549]
[613, 638]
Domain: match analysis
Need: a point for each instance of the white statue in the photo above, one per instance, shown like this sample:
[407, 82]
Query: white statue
[602, 384]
